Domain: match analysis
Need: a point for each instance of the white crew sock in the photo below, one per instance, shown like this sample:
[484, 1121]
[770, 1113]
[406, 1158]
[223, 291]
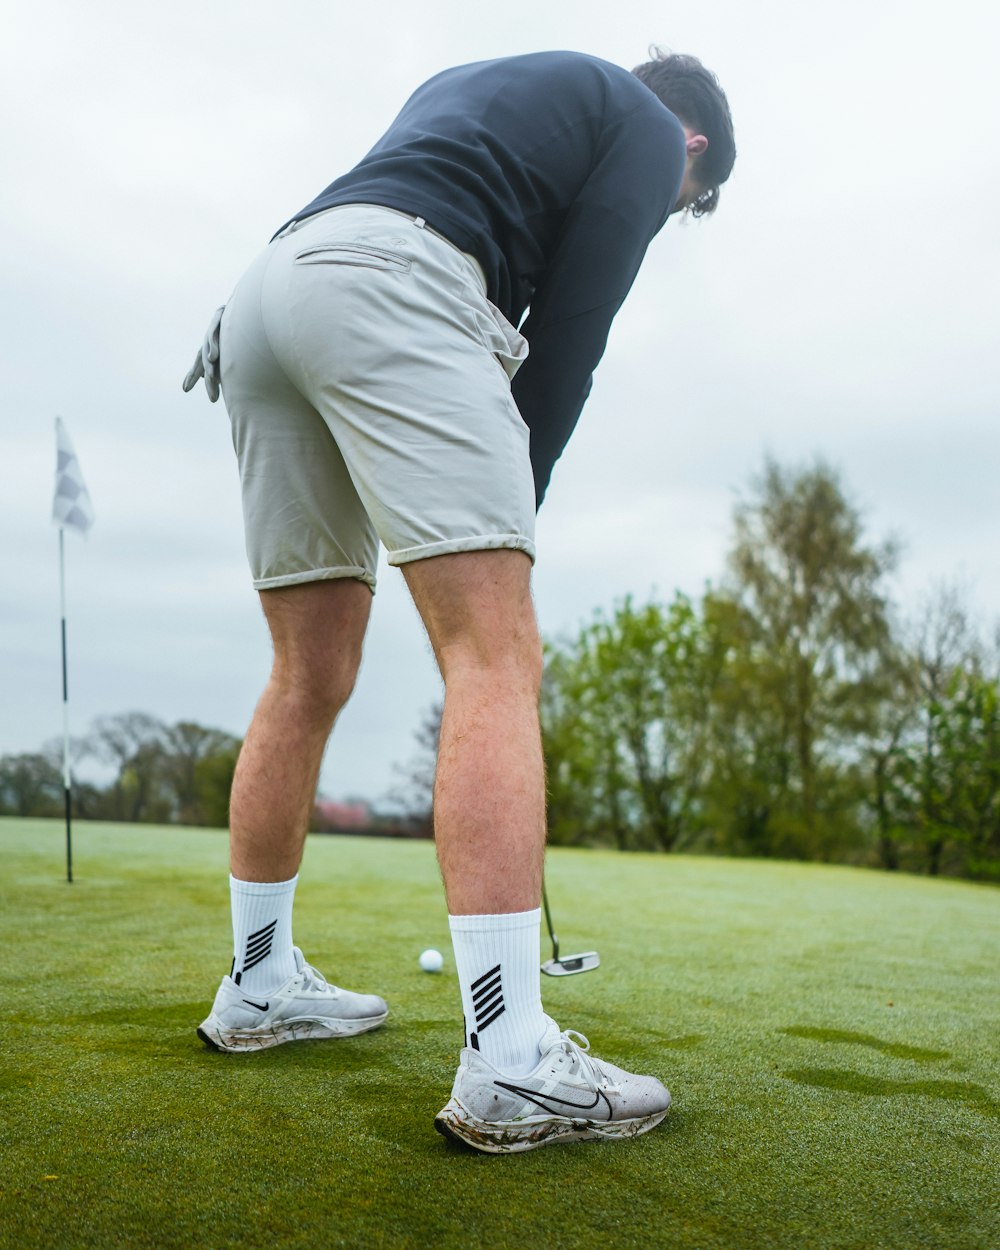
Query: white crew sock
[262, 933]
[497, 959]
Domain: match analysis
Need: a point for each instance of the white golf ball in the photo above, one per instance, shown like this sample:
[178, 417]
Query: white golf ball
[431, 960]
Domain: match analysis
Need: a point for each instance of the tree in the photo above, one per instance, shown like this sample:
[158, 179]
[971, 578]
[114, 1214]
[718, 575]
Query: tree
[749, 752]
[30, 785]
[882, 743]
[133, 744]
[813, 629]
[624, 729]
[582, 763]
[967, 728]
[213, 780]
[188, 778]
[178, 773]
[943, 769]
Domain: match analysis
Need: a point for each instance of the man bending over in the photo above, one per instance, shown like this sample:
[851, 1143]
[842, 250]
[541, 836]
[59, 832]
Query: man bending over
[384, 385]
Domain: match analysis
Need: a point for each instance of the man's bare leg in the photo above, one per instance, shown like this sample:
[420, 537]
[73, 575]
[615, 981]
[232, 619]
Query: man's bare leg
[490, 824]
[489, 795]
[272, 995]
[317, 630]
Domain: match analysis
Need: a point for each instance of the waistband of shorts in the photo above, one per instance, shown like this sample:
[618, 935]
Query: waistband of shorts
[413, 218]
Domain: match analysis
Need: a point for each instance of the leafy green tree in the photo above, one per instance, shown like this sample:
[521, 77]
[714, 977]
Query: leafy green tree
[933, 767]
[811, 632]
[750, 758]
[213, 781]
[586, 789]
[946, 769]
[882, 743]
[624, 727]
[966, 798]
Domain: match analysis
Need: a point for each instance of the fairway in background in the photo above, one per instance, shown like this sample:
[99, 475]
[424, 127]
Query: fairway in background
[830, 1036]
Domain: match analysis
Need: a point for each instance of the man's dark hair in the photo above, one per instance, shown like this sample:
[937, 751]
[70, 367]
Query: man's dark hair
[692, 93]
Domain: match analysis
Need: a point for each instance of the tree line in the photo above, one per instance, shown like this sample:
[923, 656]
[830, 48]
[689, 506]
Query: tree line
[160, 773]
[788, 712]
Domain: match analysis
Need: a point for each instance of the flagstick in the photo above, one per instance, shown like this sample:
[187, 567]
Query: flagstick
[70, 506]
[66, 776]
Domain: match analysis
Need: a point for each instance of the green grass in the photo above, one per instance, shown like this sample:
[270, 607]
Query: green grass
[831, 1037]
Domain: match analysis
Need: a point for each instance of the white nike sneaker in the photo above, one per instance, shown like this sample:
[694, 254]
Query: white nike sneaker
[306, 1006]
[570, 1096]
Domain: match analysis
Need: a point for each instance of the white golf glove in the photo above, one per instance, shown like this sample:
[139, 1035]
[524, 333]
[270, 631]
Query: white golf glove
[206, 363]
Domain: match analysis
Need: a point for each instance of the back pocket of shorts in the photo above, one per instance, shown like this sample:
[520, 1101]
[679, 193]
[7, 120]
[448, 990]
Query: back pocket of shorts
[360, 254]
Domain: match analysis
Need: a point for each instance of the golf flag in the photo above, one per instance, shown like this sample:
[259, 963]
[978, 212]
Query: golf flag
[71, 505]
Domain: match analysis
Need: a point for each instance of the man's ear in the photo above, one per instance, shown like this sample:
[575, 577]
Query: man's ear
[696, 145]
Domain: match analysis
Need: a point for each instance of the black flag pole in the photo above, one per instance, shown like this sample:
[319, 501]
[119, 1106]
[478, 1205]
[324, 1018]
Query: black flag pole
[67, 782]
[70, 506]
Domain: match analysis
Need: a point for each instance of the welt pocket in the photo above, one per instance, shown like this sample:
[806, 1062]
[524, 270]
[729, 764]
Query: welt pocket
[353, 254]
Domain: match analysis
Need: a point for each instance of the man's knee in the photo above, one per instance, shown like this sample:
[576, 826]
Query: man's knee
[521, 657]
[317, 630]
[319, 690]
[478, 612]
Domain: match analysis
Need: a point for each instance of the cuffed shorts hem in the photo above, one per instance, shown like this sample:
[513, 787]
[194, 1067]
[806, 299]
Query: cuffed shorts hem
[315, 575]
[450, 546]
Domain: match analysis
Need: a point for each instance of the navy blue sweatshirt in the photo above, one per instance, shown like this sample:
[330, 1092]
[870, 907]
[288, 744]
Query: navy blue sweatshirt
[554, 170]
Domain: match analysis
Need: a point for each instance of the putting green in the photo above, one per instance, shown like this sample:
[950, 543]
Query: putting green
[831, 1037]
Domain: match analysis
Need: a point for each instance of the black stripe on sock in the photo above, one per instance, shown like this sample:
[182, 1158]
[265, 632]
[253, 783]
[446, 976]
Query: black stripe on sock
[487, 1000]
[266, 929]
[483, 1024]
[485, 977]
[263, 938]
[252, 963]
[258, 945]
[490, 991]
[486, 1005]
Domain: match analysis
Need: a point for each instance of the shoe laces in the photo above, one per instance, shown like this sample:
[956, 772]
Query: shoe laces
[313, 979]
[577, 1048]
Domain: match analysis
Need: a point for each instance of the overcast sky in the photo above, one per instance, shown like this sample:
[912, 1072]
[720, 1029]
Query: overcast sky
[842, 303]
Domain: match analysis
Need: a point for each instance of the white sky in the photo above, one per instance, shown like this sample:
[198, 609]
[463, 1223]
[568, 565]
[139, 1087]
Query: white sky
[843, 302]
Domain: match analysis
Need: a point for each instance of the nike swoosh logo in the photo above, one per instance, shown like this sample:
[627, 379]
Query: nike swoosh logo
[259, 1006]
[544, 1100]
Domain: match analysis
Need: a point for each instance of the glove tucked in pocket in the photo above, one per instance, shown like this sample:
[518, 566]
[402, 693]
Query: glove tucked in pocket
[206, 363]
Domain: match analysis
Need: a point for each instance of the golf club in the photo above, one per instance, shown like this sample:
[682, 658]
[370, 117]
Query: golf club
[568, 965]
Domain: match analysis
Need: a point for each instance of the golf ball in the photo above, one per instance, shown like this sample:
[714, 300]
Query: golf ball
[431, 960]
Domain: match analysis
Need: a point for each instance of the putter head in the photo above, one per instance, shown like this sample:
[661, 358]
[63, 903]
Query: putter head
[569, 965]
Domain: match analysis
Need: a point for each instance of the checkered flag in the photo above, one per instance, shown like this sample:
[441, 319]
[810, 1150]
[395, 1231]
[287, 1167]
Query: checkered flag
[71, 505]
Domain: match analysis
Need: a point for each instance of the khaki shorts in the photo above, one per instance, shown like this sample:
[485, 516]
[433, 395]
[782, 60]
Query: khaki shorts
[367, 379]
